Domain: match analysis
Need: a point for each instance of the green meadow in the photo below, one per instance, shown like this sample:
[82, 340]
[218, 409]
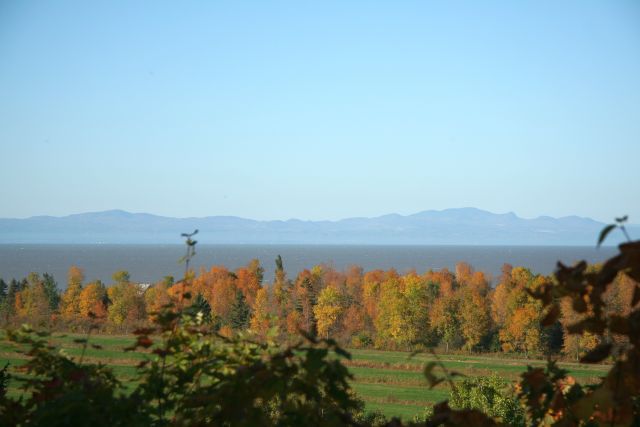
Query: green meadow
[388, 381]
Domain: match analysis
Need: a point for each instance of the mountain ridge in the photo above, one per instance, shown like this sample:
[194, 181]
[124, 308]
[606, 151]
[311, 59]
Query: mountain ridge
[455, 226]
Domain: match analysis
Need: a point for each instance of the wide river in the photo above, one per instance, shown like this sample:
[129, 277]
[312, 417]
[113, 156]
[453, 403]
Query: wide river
[149, 263]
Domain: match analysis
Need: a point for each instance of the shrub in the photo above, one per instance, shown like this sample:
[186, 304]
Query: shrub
[491, 395]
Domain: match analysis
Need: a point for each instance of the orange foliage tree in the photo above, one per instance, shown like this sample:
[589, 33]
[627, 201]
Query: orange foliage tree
[93, 301]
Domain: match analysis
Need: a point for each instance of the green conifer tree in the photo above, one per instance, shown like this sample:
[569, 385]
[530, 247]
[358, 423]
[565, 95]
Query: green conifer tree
[240, 313]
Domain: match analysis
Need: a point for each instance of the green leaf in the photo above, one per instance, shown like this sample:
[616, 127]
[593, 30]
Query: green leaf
[430, 377]
[605, 231]
[435, 382]
[342, 353]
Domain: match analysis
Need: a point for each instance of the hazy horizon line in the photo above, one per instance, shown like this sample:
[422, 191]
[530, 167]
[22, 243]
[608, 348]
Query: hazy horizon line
[469, 208]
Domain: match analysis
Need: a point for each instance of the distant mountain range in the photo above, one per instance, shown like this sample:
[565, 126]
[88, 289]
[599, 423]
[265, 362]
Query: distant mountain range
[463, 226]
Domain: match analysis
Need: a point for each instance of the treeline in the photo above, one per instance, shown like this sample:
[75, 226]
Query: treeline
[383, 309]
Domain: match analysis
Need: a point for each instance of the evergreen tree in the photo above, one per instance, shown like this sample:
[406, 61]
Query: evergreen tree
[240, 313]
[8, 308]
[552, 339]
[256, 269]
[4, 301]
[201, 305]
[3, 291]
[34, 301]
[308, 285]
[281, 289]
[51, 289]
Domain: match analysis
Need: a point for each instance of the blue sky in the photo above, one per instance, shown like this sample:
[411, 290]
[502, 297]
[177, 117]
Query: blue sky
[320, 110]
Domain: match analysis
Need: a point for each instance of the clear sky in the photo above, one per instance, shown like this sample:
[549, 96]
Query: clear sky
[320, 110]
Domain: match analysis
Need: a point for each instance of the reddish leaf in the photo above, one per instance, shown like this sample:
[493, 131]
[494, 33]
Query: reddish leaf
[77, 375]
[535, 378]
[144, 331]
[144, 341]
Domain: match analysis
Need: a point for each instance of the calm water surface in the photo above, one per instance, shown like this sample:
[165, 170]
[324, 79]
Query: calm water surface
[149, 263]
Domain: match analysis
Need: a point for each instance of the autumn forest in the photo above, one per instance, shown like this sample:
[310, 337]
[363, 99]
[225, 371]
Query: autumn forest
[454, 310]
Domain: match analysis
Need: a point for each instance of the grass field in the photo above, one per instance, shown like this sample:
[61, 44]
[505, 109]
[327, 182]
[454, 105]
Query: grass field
[391, 382]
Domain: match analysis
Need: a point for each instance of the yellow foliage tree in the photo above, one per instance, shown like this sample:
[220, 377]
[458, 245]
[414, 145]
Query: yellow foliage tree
[127, 302]
[261, 319]
[575, 345]
[445, 317]
[328, 309]
[32, 302]
[520, 330]
[475, 318]
[390, 321]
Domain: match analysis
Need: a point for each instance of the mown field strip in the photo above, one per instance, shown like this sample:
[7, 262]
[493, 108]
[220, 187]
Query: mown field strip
[388, 381]
[468, 365]
[407, 400]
